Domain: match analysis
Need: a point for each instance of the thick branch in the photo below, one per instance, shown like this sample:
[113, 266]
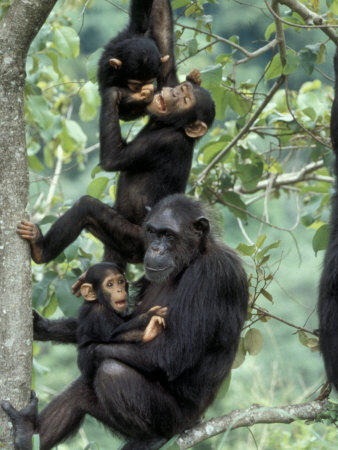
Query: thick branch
[310, 18]
[246, 418]
[287, 179]
[22, 23]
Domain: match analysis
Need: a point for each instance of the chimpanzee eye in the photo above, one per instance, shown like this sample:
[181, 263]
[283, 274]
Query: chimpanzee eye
[169, 236]
[121, 281]
[150, 230]
[109, 284]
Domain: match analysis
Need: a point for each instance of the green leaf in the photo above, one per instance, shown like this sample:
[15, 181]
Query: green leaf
[39, 108]
[321, 238]
[212, 76]
[239, 104]
[192, 46]
[246, 250]
[51, 307]
[268, 32]
[68, 303]
[260, 241]
[71, 251]
[92, 64]
[253, 341]
[96, 169]
[267, 295]
[274, 68]
[250, 173]
[292, 62]
[179, 3]
[234, 202]
[240, 355]
[224, 387]
[35, 164]
[221, 99]
[308, 60]
[72, 136]
[97, 187]
[90, 100]
[66, 42]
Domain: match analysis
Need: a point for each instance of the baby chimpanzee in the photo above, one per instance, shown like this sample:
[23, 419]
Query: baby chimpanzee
[130, 61]
[103, 318]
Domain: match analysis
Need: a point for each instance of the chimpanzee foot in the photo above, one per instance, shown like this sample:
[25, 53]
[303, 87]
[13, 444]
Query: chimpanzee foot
[32, 233]
[153, 444]
[24, 422]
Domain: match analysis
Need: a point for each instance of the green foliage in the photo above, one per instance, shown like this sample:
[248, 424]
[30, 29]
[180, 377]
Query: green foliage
[266, 170]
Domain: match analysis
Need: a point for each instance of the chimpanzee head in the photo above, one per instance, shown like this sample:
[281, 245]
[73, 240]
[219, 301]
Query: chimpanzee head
[106, 283]
[132, 63]
[187, 106]
[176, 232]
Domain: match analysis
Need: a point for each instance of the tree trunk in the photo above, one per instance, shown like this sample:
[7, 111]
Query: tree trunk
[17, 30]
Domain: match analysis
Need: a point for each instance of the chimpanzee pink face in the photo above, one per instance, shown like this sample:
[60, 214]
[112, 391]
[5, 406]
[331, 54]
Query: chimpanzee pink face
[173, 100]
[114, 288]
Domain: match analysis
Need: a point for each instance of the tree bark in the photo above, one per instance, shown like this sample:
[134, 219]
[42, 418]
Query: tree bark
[17, 30]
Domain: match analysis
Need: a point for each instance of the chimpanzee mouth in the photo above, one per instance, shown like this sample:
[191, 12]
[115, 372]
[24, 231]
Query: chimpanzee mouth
[160, 102]
[158, 269]
[121, 304]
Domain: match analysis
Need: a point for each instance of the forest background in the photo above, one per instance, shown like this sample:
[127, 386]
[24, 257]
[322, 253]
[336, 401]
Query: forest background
[265, 169]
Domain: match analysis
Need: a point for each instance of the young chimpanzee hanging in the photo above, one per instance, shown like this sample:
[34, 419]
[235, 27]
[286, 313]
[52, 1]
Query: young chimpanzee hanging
[155, 164]
[102, 316]
[151, 391]
[130, 61]
[328, 290]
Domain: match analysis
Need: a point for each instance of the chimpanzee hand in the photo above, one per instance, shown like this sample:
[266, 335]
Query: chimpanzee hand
[40, 325]
[154, 328]
[146, 94]
[76, 286]
[194, 77]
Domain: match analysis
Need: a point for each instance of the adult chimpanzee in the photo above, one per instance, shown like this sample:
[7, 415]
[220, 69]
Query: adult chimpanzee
[155, 164]
[103, 318]
[130, 61]
[328, 290]
[148, 392]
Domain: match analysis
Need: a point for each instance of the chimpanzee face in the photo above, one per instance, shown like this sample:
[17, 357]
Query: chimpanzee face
[114, 290]
[173, 100]
[162, 235]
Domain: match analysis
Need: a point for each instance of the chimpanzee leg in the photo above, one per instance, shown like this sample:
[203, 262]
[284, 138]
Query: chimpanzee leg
[63, 416]
[98, 218]
[138, 407]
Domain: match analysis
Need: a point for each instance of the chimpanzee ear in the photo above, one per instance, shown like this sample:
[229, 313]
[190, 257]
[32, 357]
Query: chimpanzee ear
[196, 129]
[165, 58]
[202, 226]
[115, 63]
[88, 292]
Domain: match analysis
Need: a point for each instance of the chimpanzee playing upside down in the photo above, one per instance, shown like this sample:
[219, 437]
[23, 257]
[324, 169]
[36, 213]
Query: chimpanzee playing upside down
[155, 164]
[150, 391]
[130, 61]
[328, 290]
[102, 316]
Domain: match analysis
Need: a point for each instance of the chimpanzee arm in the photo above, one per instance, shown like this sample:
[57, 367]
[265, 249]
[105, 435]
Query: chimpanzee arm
[162, 31]
[145, 151]
[62, 330]
[139, 16]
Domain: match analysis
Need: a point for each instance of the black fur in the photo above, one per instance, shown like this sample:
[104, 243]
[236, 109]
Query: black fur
[154, 164]
[151, 392]
[328, 290]
[141, 60]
